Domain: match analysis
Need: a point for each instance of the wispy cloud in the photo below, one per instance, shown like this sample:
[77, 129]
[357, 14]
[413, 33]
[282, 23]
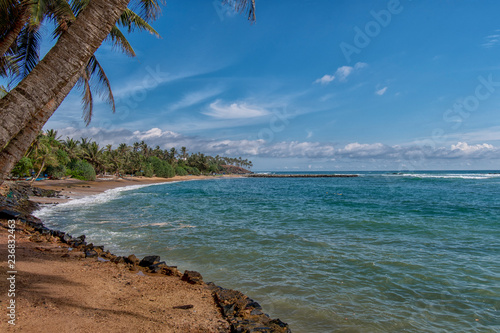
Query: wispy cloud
[196, 97]
[234, 110]
[150, 78]
[341, 73]
[382, 91]
[492, 40]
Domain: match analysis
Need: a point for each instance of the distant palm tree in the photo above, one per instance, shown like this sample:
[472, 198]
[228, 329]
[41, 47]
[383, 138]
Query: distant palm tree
[94, 155]
[70, 146]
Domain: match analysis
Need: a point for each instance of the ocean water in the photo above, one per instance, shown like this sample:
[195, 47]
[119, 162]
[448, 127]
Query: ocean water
[384, 252]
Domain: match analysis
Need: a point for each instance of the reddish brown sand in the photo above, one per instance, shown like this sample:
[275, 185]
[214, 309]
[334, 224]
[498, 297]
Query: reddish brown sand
[57, 292]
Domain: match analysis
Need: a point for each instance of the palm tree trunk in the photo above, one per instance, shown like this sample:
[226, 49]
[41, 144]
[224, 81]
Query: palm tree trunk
[17, 147]
[72, 51]
[23, 17]
[39, 172]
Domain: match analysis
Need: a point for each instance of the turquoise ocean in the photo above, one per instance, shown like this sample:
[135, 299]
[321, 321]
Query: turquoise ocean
[383, 252]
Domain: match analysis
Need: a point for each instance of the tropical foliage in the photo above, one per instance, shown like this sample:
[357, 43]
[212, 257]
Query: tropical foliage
[84, 159]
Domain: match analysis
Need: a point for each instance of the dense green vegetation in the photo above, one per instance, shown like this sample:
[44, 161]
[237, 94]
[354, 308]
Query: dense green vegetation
[84, 159]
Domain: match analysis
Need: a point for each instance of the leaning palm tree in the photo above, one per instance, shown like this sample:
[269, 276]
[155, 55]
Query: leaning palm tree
[31, 103]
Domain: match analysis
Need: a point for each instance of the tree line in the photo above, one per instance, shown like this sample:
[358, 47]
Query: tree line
[85, 159]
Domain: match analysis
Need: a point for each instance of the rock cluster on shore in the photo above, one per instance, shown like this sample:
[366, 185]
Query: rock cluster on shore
[242, 313]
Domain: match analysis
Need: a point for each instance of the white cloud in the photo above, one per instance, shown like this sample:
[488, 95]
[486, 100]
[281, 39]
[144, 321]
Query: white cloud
[289, 149]
[234, 111]
[469, 149]
[325, 79]
[382, 91]
[492, 40]
[341, 73]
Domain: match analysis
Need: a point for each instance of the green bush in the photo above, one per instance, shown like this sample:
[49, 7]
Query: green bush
[180, 171]
[81, 170]
[214, 168]
[56, 172]
[62, 157]
[148, 170]
[161, 168]
[22, 168]
[193, 171]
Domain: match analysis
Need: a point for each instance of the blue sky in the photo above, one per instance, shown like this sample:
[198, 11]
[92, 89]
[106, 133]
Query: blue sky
[312, 85]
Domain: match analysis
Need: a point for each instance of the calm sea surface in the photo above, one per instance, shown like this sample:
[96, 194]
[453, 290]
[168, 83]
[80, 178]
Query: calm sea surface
[384, 252]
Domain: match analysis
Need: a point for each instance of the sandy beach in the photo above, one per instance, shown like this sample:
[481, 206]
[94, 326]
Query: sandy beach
[60, 289]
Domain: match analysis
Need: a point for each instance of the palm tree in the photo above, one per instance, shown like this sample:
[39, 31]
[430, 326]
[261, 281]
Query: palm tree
[184, 153]
[42, 152]
[94, 155]
[70, 146]
[31, 103]
[20, 23]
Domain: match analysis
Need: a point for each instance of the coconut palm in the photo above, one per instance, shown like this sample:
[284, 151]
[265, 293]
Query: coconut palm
[94, 155]
[21, 22]
[70, 146]
[42, 152]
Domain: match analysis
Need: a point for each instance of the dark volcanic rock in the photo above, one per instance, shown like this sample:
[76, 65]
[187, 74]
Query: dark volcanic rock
[132, 259]
[66, 238]
[6, 213]
[118, 260]
[192, 277]
[170, 271]
[157, 267]
[91, 254]
[149, 260]
[243, 313]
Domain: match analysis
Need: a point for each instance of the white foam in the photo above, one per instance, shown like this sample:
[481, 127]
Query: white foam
[450, 176]
[93, 200]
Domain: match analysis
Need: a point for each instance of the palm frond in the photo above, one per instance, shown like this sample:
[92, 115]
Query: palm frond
[38, 11]
[8, 67]
[119, 41]
[78, 5]
[26, 53]
[101, 84]
[3, 91]
[149, 10]
[130, 20]
[243, 6]
[87, 99]
[60, 12]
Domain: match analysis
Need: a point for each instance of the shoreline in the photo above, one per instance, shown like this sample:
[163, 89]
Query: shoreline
[227, 310]
[70, 189]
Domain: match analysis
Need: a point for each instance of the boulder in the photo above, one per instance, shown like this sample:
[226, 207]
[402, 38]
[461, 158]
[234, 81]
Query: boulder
[132, 259]
[157, 267]
[91, 254]
[192, 277]
[149, 260]
[170, 271]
